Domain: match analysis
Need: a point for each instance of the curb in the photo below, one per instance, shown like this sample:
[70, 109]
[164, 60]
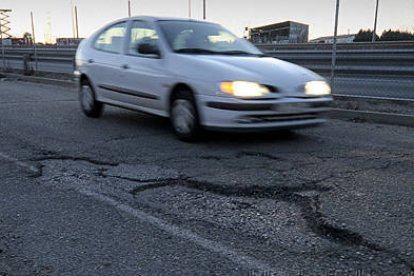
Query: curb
[66, 83]
[371, 116]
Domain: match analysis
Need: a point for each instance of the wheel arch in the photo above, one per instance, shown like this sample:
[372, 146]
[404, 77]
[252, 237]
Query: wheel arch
[83, 78]
[181, 88]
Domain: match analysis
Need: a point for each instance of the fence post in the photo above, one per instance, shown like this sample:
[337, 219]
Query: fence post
[27, 68]
[334, 47]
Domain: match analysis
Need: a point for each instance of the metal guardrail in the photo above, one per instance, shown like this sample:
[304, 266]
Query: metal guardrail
[371, 58]
[390, 62]
[381, 69]
[341, 46]
[51, 51]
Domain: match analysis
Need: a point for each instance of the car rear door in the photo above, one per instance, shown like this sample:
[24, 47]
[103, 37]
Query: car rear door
[106, 62]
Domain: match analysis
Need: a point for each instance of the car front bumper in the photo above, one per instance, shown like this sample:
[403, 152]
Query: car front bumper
[234, 114]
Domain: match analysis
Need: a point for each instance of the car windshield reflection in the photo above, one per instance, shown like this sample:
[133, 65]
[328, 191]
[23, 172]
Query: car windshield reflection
[205, 38]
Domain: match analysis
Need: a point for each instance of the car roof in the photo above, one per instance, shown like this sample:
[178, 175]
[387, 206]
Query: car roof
[157, 18]
[148, 18]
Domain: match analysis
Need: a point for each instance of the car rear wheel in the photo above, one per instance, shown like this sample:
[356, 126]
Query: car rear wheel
[184, 117]
[90, 106]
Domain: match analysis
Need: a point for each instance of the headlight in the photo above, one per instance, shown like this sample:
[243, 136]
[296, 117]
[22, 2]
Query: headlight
[243, 88]
[317, 88]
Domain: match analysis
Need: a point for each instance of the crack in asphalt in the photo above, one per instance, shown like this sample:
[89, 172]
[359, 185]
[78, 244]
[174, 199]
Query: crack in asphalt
[235, 191]
[259, 154]
[319, 225]
[74, 159]
[213, 157]
[154, 185]
[47, 157]
[309, 206]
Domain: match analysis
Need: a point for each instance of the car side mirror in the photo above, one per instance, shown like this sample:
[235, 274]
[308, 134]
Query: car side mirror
[148, 49]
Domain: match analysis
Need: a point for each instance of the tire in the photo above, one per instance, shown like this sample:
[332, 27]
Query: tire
[87, 98]
[184, 116]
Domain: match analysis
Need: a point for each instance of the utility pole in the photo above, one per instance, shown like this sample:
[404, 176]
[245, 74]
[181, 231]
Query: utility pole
[73, 20]
[33, 28]
[375, 23]
[76, 22]
[2, 47]
[189, 8]
[34, 40]
[334, 46]
[129, 8]
[204, 10]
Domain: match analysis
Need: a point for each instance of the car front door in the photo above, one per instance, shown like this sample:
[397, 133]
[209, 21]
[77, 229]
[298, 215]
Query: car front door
[145, 77]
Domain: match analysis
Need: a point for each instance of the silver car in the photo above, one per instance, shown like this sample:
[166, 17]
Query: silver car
[198, 74]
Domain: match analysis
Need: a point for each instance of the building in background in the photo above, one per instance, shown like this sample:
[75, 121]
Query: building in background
[280, 33]
[340, 39]
[17, 41]
[6, 42]
[20, 41]
[64, 41]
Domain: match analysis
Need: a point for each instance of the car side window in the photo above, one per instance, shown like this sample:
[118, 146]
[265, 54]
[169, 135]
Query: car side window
[141, 32]
[111, 39]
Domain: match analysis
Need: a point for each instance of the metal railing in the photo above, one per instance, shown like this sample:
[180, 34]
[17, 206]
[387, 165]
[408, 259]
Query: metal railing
[381, 69]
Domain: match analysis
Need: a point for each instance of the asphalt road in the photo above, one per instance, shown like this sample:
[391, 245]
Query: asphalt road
[120, 195]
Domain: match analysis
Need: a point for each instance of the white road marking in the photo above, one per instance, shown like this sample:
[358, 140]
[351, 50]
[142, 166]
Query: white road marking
[19, 163]
[247, 262]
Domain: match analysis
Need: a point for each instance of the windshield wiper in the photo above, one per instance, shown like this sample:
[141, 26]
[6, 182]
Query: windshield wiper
[195, 51]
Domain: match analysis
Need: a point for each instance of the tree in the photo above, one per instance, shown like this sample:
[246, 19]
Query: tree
[28, 38]
[387, 35]
[397, 35]
[365, 36]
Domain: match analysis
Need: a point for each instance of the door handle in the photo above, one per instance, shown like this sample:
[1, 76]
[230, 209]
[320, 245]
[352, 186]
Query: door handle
[90, 61]
[125, 66]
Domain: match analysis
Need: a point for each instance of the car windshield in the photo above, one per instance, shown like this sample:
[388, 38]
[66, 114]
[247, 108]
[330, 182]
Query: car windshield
[191, 37]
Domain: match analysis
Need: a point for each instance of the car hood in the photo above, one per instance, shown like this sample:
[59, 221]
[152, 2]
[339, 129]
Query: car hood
[285, 76]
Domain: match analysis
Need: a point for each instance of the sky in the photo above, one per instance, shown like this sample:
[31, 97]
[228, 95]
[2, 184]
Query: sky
[53, 18]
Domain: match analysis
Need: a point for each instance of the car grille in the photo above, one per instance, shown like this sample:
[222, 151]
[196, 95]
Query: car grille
[276, 118]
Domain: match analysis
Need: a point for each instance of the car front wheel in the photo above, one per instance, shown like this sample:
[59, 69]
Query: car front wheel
[90, 106]
[184, 117]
